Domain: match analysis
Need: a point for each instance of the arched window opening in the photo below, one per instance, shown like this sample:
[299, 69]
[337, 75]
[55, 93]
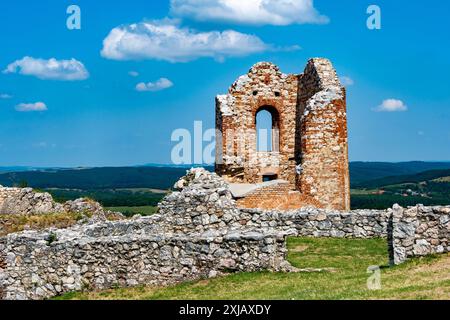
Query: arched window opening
[267, 130]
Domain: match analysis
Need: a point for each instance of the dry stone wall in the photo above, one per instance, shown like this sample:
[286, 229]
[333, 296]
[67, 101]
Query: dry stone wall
[419, 231]
[203, 202]
[39, 265]
[313, 222]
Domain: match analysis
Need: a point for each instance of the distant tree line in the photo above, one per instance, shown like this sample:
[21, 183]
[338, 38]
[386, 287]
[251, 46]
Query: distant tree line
[110, 198]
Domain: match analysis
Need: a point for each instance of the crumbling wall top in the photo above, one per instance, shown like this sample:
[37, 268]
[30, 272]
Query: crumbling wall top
[323, 72]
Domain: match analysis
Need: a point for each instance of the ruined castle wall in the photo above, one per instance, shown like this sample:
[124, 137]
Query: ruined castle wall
[310, 113]
[33, 267]
[311, 222]
[204, 202]
[419, 231]
[322, 137]
[25, 201]
[263, 87]
[268, 197]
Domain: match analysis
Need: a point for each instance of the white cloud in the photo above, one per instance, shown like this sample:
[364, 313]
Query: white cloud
[28, 107]
[5, 96]
[391, 105]
[133, 74]
[252, 12]
[159, 85]
[165, 40]
[52, 69]
[346, 81]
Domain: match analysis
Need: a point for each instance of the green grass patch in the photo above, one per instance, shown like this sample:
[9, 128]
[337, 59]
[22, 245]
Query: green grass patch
[131, 211]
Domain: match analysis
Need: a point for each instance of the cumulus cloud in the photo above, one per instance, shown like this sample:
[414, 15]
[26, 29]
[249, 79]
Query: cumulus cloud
[391, 105]
[346, 81]
[159, 85]
[165, 40]
[52, 69]
[5, 96]
[28, 107]
[251, 12]
[133, 74]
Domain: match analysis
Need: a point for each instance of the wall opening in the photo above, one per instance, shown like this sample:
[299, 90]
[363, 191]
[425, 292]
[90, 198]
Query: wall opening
[267, 129]
[269, 177]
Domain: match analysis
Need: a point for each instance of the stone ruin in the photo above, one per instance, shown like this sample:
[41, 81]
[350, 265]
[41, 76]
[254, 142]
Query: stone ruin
[199, 232]
[25, 201]
[308, 160]
[232, 221]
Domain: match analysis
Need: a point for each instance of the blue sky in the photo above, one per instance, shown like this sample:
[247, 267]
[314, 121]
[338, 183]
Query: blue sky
[93, 115]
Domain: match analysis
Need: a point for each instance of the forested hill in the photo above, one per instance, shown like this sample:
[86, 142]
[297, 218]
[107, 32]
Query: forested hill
[365, 171]
[96, 178]
[163, 177]
[404, 179]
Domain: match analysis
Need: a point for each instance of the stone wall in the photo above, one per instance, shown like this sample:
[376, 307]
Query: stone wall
[204, 202]
[419, 231]
[313, 222]
[197, 233]
[25, 201]
[39, 265]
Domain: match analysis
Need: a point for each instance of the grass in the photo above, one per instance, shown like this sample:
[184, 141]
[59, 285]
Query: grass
[425, 278]
[17, 223]
[131, 211]
[12, 223]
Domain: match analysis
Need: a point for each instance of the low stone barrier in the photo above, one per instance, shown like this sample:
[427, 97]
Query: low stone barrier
[39, 265]
[312, 222]
[204, 202]
[419, 231]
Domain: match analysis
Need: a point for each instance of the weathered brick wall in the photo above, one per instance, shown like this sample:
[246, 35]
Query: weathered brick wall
[419, 231]
[310, 112]
[278, 196]
[264, 87]
[323, 137]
